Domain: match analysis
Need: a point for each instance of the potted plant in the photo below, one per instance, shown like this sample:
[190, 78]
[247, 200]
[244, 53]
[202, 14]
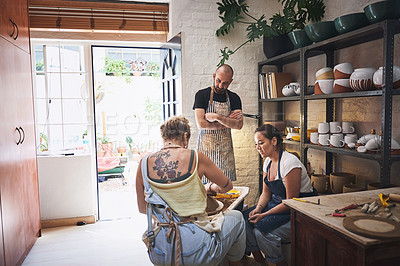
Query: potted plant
[138, 66]
[117, 67]
[295, 14]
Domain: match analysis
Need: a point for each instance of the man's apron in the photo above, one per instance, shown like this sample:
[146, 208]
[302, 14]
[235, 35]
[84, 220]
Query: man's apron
[217, 143]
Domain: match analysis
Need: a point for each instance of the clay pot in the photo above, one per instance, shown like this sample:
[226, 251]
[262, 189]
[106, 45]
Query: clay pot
[352, 188]
[343, 70]
[325, 86]
[338, 179]
[341, 85]
[361, 79]
[320, 183]
[378, 78]
[317, 89]
[324, 73]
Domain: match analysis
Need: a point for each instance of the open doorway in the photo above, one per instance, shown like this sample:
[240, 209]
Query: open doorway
[128, 110]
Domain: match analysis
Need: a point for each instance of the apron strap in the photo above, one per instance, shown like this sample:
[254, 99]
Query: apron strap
[279, 165]
[212, 97]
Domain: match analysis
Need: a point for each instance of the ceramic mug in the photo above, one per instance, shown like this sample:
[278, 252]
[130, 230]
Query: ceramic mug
[336, 140]
[350, 138]
[335, 127]
[347, 127]
[323, 128]
[314, 137]
[323, 139]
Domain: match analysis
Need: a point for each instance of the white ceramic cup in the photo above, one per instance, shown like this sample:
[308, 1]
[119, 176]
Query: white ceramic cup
[335, 127]
[339, 135]
[336, 140]
[323, 128]
[323, 139]
[347, 127]
[350, 138]
[314, 137]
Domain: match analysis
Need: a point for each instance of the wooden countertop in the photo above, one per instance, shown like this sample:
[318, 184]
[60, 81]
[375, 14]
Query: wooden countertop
[328, 204]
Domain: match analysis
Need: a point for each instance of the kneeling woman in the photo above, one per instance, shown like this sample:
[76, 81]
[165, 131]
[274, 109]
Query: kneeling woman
[285, 177]
[170, 190]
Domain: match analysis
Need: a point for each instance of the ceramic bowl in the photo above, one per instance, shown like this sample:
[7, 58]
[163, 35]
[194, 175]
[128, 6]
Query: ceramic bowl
[320, 182]
[382, 10]
[350, 22]
[326, 85]
[343, 70]
[341, 85]
[361, 79]
[320, 31]
[348, 188]
[324, 73]
[378, 78]
[299, 38]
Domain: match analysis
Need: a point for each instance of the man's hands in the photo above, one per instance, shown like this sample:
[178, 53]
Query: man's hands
[214, 117]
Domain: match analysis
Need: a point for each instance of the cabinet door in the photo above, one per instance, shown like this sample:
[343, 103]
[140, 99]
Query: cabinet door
[11, 190]
[17, 11]
[27, 161]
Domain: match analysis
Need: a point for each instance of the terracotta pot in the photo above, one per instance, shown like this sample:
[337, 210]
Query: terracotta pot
[338, 179]
[348, 188]
[324, 73]
[341, 85]
[320, 183]
[361, 79]
[343, 71]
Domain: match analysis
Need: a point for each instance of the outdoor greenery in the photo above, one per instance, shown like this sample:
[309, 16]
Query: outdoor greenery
[44, 143]
[152, 111]
[295, 15]
[103, 139]
[153, 69]
[117, 67]
[40, 65]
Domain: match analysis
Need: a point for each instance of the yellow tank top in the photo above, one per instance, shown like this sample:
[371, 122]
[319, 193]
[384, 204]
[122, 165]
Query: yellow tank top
[187, 197]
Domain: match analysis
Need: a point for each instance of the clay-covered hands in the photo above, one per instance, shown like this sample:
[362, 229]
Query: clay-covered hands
[256, 217]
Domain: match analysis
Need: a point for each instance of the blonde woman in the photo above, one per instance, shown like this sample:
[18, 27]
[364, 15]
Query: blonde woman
[170, 190]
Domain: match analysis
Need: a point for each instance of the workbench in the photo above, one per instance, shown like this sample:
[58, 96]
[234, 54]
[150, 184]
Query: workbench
[317, 239]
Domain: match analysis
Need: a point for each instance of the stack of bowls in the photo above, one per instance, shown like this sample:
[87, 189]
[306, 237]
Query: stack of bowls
[342, 73]
[324, 81]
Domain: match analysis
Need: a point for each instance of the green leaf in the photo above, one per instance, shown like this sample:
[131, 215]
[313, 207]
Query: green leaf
[231, 11]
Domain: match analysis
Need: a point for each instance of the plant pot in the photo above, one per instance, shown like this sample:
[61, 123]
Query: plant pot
[278, 45]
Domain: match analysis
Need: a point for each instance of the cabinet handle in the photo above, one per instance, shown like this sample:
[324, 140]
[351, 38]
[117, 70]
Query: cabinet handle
[16, 36]
[12, 34]
[19, 132]
[23, 133]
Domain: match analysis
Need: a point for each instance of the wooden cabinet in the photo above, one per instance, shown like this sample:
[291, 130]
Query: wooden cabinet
[19, 196]
[14, 22]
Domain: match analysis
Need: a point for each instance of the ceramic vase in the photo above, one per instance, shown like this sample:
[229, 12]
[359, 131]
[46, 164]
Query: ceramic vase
[378, 78]
[361, 79]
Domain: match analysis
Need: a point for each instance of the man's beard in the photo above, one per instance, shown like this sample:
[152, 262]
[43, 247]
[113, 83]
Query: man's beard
[218, 90]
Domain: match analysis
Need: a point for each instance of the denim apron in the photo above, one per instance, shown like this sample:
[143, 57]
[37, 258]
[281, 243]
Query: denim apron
[278, 191]
[217, 143]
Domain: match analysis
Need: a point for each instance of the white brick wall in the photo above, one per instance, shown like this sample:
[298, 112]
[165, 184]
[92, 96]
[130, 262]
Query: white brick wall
[198, 20]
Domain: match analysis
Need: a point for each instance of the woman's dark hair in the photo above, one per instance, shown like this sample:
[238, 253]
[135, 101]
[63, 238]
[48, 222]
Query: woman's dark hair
[175, 128]
[270, 132]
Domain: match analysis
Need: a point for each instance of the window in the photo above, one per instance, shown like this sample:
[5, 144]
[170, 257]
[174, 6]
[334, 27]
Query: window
[61, 91]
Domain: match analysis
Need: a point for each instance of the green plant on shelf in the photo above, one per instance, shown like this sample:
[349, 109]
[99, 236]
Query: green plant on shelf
[295, 14]
[117, 67]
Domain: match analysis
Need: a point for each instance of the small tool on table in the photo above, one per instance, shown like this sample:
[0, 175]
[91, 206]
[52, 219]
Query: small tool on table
[349, 207]
[307, 201]
[336, 214]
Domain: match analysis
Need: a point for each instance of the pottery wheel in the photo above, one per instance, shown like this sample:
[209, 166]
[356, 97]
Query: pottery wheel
[373, 227]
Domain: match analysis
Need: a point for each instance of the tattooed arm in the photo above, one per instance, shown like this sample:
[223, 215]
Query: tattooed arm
[214, 174]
